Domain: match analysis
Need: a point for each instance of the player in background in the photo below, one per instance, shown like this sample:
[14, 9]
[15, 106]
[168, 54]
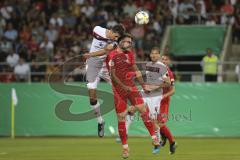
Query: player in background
[156, 78]
[164, 107]
[103, 41]
[122, 67]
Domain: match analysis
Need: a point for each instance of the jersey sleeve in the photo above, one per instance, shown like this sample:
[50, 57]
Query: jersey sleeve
[171, 76]
[99, 32]
[132, 58]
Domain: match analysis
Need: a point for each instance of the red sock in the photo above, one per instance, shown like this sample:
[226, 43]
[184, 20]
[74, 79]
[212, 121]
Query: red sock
[122, 132]
[148, 123]
[166, 132]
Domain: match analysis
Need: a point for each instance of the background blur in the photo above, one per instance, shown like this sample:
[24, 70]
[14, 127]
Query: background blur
[202, 37]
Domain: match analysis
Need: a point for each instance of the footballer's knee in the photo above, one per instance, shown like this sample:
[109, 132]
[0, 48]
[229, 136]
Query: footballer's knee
[161, 124]
[156, 125]
[121, 117]
[141, 108]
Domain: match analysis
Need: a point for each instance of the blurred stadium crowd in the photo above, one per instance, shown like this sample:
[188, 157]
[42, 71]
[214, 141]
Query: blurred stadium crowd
[56, 30]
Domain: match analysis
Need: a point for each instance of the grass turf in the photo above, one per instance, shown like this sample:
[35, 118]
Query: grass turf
[107, 149]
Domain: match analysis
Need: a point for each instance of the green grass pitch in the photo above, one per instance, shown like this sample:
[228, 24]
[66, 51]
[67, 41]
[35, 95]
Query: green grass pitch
[82, 148]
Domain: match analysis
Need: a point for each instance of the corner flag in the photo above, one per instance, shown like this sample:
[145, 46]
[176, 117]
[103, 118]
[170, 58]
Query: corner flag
[14, 102]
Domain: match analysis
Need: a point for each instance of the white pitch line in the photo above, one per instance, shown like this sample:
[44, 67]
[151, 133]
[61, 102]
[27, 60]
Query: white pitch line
[186, 97]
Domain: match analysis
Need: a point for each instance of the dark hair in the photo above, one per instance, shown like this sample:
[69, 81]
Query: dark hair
[125, 35]
[119, 28]
[156, 48]
[167, 55]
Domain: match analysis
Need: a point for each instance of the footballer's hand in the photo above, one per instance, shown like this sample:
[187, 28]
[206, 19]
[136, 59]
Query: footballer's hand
[166, 79]
[110, 47]
[146, 89]
[127, 89]
[86, 55]
[138, 73]
[163, 96]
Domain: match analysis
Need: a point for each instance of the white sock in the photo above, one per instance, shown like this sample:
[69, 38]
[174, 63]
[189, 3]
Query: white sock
[125, 146]
[96, 109]
[158, 134]
[129, 120]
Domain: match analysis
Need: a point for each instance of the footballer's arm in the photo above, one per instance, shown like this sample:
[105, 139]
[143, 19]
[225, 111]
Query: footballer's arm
[101, 52]
[170, 92]
[138, 75]
[166, 82]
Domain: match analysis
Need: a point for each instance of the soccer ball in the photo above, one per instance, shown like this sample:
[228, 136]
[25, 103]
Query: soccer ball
[142, 17]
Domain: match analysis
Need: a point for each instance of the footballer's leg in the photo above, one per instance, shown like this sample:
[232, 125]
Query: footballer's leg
[153, 102]
[96, 107]
[93, 80]
[129, 120]
[167, 133]
[121, 110]
[136, 99]
[122, 131]
[130, 116]
[144, 111]
[164, 130]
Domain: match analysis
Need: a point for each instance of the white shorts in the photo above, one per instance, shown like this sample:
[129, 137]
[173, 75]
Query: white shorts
[96, 69]
[153, 101]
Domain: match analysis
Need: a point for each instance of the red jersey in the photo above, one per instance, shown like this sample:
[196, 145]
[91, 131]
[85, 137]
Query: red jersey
[123, 63]
[166, 89]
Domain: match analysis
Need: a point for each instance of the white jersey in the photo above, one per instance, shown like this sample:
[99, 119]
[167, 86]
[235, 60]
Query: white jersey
[96, 66]
[155, 72]
[99, 41]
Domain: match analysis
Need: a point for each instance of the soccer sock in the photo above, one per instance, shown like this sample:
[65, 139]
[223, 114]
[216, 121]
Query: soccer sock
[158, 134]
[129, 120]
[166, 132]
[96, 109]
[122, 132]
[148, 123]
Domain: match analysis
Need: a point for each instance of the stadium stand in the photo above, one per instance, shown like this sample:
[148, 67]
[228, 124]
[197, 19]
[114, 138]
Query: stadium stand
[46, 31]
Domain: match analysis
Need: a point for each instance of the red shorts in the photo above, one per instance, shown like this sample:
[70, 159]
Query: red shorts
[163, 115]
[120, 99]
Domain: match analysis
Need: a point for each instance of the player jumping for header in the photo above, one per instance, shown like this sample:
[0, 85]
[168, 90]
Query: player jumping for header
[102, 42]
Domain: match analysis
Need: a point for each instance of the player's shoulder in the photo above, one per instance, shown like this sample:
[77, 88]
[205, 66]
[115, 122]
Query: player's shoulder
[131, 53]
[159, 63]
[98, 28]
[149, 63]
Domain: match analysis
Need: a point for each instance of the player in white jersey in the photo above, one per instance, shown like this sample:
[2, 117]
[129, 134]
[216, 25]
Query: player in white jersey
[103, 41]
[155, 71]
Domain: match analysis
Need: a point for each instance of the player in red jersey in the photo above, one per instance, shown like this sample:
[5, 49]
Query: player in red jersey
[122, 67]
[164, 106]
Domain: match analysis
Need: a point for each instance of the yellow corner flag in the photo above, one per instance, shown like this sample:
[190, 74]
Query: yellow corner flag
[14, 102]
